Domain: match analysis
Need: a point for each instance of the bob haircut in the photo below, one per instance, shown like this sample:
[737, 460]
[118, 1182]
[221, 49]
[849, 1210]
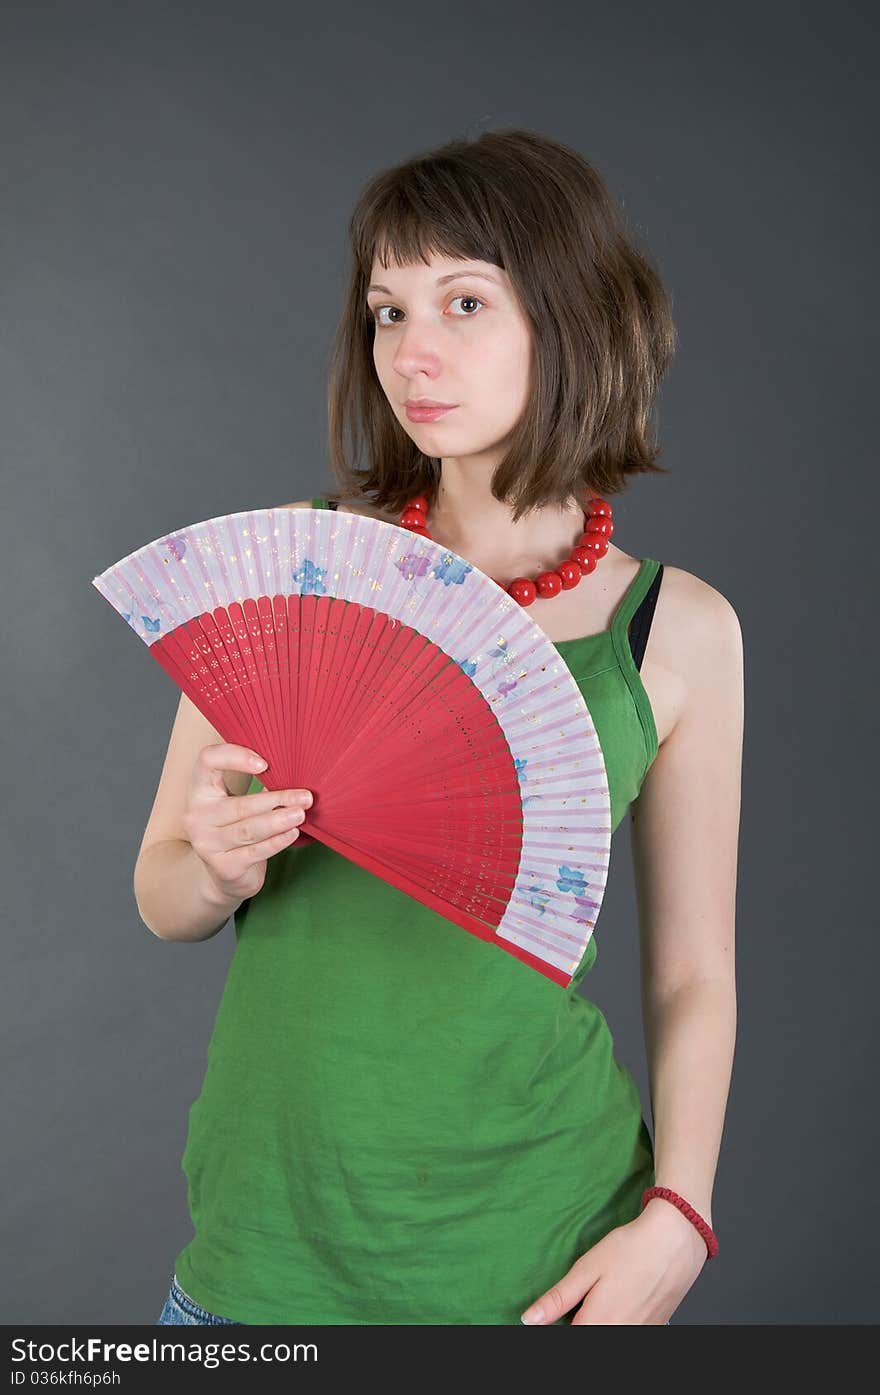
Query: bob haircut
[601, 323]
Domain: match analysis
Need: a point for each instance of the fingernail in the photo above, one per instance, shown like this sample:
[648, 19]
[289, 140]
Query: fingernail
[306, 798]
[258, 763]
[533, 1315]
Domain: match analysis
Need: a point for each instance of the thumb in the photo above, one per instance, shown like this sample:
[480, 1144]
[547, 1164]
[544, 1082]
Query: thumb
[558, 1299]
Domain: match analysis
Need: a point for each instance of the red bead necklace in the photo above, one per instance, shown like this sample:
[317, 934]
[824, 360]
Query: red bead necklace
[590, 547]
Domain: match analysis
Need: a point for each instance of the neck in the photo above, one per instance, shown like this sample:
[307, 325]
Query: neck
[467, 518]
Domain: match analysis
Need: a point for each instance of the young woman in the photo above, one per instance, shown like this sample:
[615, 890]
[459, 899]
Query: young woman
[398, 1123]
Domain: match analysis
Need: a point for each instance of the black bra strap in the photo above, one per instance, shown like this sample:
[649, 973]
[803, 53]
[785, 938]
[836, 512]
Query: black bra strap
[640, 625]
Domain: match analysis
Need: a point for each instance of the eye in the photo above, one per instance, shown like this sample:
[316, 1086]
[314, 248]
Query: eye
[375, 313]
[474, 300]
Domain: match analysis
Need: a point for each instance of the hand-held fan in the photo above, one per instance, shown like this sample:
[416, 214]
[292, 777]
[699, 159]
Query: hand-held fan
[448, 748]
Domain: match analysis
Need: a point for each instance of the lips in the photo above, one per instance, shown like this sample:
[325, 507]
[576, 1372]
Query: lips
[421, 413]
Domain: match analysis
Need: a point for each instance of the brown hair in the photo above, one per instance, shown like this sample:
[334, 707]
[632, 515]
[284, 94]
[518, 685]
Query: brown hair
[601, 323]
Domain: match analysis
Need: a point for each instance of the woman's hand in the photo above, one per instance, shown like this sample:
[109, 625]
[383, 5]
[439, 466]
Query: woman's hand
[235, 835]
[636, 1274]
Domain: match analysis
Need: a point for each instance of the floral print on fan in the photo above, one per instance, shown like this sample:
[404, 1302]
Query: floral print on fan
[176, 545]
[412, 565]
[452, 570]
[572, 879]
[568, 879]
[152, 623]
[310, 578]
[168, 620]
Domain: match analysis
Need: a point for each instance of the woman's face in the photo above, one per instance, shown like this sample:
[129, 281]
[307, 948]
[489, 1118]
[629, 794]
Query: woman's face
[448, 332]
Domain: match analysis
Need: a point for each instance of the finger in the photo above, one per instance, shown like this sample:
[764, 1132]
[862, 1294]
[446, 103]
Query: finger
[223, 755]
[277, 835]
[243, 806]
[560, 1298]
[250, 833]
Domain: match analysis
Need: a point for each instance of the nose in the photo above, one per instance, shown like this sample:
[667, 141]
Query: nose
[417, 351]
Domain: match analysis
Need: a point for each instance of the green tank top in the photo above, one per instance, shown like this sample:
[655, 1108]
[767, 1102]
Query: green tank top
[398, 1123]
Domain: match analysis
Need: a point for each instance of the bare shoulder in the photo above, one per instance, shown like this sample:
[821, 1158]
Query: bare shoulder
[704, 620]
[696, 639]
[694, 606]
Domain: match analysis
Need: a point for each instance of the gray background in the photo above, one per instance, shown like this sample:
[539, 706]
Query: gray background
[176, 182]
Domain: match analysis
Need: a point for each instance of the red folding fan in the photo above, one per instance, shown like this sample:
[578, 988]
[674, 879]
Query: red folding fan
[448, 748]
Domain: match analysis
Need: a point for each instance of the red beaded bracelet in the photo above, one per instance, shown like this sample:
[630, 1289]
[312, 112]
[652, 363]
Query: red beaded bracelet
[685, 1207]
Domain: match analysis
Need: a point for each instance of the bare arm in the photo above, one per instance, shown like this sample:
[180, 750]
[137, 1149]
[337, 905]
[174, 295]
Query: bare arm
[176, 897]
[684, 838]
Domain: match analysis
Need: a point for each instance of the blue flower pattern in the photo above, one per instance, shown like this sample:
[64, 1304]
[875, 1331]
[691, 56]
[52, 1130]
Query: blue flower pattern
[572, 879]
[451, 570]
[152, 624]
[310, 578]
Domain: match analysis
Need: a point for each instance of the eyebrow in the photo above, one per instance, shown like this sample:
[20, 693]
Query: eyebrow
[442, 280]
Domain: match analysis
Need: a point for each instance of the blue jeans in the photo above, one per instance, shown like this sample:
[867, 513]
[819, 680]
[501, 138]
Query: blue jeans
[180, 1308]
